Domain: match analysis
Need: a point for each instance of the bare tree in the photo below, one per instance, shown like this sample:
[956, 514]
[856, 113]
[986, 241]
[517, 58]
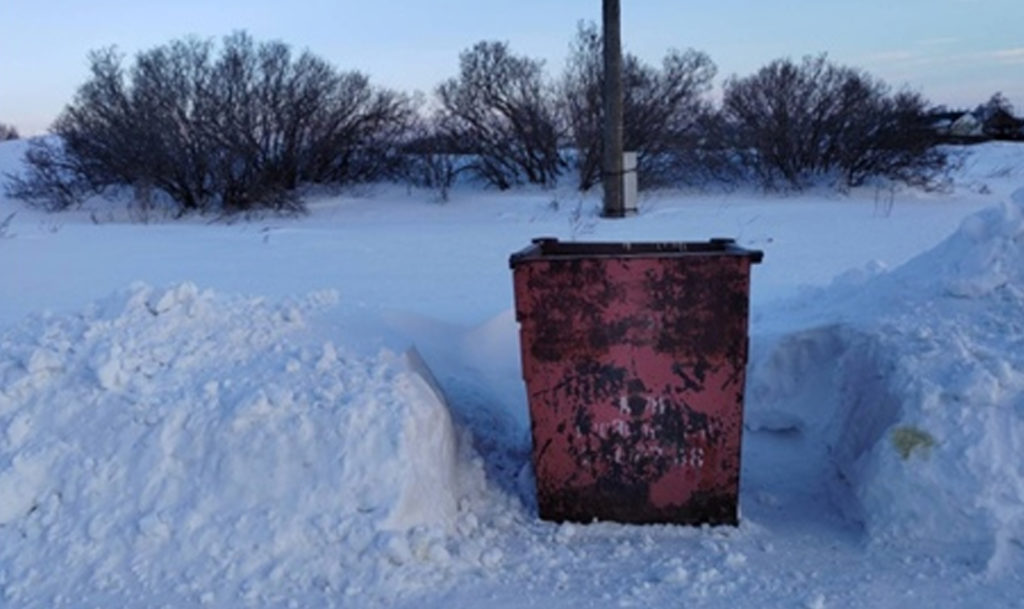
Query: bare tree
[170, 117]
[55, 178]
[501, 111]
[580, 96]
[432, 158]
[791, 122]
[230, 131]
[888, 136]
[665, 110]
[283, 122]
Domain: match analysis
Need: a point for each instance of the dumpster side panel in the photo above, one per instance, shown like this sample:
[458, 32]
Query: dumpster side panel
[635, 369]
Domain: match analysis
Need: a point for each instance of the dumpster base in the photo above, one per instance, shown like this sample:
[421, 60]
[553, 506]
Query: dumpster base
[631, 504]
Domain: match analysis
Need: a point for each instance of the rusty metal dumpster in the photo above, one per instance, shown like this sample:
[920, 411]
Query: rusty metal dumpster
[634, 357]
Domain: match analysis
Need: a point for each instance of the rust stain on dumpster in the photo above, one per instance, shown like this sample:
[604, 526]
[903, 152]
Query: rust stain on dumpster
[635, 368]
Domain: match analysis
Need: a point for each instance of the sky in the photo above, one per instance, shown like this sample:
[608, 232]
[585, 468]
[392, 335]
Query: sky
[955, 52]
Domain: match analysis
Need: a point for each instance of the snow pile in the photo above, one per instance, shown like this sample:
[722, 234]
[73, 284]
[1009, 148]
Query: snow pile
[178, 439]
[916, 394]
[985, 255]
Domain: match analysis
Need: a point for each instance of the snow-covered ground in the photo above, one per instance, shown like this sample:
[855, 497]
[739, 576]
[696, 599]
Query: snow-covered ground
[328, 410]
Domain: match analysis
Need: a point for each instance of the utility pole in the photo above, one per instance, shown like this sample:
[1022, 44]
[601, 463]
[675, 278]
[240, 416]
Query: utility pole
[612, 178]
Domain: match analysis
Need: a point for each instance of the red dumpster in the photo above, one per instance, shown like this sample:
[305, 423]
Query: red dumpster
[634, 357]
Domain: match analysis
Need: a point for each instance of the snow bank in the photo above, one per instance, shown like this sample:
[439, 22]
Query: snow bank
[186, 440]
[985, 255]
[916, 393]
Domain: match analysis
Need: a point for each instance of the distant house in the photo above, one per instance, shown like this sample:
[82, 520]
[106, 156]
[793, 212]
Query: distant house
[940, 120]
[967, 125]
[991, 121]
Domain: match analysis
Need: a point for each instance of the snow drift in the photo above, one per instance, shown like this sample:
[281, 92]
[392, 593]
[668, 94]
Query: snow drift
[915, 391]
[178, 427]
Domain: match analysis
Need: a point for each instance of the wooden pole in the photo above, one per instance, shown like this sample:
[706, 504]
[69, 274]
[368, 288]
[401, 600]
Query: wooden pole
[614, 199]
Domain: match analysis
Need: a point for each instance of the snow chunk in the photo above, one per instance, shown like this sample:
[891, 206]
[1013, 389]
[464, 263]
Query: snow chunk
[222, 435]
[22, 483]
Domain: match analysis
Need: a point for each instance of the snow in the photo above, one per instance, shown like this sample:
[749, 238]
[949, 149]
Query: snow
[945, 464]
[914, 390]
[181, 427]
[328, 410]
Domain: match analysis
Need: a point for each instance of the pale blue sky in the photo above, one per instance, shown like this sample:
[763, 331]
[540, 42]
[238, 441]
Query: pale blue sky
[956, 52]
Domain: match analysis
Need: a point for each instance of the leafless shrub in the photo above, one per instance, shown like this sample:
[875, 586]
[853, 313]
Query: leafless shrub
[232, 131]
[666, 115]
[791, 123]
[502, 113]
[432, 161]
[54, 179]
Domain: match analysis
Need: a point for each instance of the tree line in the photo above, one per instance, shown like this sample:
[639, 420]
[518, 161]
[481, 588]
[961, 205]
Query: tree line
[248, 125]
